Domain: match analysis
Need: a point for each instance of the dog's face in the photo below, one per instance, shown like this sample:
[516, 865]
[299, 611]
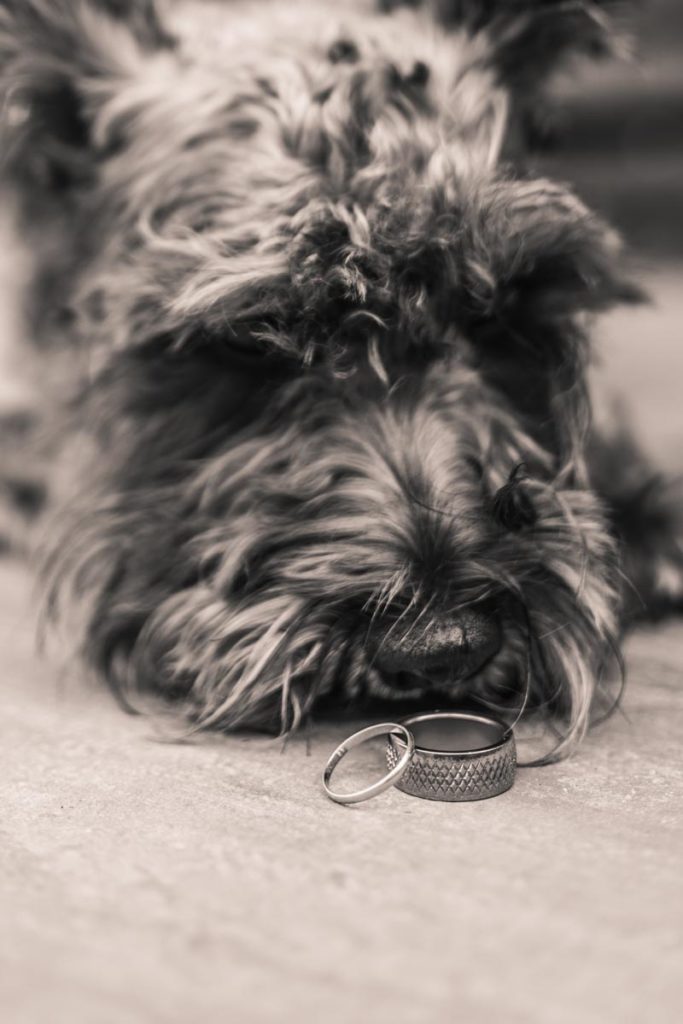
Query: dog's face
[339, 392]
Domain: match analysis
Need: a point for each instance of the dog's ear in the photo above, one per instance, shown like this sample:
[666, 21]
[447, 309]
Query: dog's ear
[533, 257]
[60, 61]
[531, 38]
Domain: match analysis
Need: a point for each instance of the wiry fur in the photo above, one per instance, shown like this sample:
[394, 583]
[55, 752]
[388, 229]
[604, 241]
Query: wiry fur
[335, 356]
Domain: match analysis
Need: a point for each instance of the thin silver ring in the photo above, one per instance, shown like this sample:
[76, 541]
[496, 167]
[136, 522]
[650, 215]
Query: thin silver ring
[390, 779]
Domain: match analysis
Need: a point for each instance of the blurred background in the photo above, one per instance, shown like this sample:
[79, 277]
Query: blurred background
[618, 133]
[617, 136]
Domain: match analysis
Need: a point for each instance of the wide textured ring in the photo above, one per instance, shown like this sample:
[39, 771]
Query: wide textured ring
[458, 756]
[399, 764]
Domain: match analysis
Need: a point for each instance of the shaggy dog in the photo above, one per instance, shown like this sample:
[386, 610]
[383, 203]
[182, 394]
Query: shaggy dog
[318, 344]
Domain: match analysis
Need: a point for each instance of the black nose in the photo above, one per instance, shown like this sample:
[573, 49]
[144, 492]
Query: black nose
[448, 649]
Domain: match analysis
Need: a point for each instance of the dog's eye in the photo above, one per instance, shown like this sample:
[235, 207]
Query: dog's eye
[343, 51]
[512, 507]
[475, 465]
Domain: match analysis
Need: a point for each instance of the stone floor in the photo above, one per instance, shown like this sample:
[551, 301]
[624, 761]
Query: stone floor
[142, 881]
[155, 882]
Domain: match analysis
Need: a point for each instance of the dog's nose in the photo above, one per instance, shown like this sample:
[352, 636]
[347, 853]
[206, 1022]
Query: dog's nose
[449, 649]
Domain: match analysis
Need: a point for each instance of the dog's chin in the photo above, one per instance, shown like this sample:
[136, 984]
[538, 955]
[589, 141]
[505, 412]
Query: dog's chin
[403, 687]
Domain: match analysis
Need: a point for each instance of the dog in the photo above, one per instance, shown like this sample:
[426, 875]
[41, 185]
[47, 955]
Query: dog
[316, 337]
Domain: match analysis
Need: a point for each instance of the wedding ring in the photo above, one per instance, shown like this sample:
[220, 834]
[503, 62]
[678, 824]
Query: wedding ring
[399, 765]
[457, 756]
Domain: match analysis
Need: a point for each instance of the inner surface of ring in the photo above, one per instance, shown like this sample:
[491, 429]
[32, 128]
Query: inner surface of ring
[457, 734]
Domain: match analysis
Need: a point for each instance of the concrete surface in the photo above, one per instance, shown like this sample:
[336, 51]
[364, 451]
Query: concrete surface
[147, 882]
[142, 881]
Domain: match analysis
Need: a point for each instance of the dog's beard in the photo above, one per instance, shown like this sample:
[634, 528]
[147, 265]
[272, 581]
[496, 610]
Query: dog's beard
[291, 539]
[267, 658]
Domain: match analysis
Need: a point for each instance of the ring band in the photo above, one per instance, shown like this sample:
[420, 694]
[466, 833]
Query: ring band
[400, 762]
[455, 774]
